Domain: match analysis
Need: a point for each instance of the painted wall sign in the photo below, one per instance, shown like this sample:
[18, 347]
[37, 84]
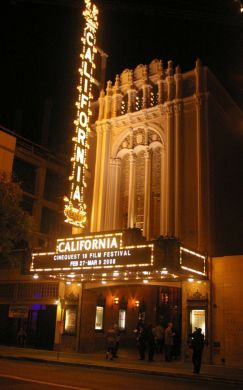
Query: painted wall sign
[18, 311]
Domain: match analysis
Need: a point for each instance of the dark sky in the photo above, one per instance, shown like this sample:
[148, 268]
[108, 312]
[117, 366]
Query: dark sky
[40, 46]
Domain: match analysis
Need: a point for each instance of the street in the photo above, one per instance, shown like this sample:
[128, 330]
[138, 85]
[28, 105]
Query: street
[39, 376]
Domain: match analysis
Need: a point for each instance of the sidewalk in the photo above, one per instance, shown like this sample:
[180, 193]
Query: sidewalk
[128, 361]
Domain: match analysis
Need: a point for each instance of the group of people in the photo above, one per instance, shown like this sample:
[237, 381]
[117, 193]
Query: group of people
[157, 339]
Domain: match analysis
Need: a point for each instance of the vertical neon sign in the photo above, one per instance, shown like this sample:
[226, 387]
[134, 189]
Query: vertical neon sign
[75, 208]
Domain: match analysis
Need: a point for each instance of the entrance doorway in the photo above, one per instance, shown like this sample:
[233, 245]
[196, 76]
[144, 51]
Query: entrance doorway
[169, 309]
[41, 326]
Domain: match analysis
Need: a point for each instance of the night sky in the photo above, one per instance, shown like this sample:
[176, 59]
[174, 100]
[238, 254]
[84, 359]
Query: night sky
[40, 46]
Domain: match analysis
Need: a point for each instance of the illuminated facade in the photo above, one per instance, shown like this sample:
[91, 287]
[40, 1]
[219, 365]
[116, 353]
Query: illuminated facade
[153, 233]
[161, 166]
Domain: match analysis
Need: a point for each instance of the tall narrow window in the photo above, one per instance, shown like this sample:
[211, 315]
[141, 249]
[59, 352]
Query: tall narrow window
[99, 318]
[198, 320]
[122, 319]
[139, 197]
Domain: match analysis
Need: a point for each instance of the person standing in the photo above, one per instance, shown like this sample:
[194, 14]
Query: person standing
[150, 342]
[141, 340]
[21, 337]
[168, 342]
[111, 341]
[117, 332]
[158, 331]
[197, 345]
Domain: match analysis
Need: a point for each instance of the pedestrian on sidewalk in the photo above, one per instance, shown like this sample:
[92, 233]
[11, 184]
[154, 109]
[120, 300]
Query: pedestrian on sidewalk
[197, 345]
[141, 332]
[150, 342]
[158, 331]
[169, 342]
[21, 337]
[111, 341]
[117, 332]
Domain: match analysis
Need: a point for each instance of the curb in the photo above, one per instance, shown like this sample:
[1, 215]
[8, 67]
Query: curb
[185, 376]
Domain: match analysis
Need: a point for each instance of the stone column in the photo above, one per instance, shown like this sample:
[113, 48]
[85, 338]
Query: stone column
[170, 196]
[93, 225]
[170, 81]
[131, 94]
[102, 202]
[109, 209]
[178, 153]
[147, 193]
[160, 84]
[131, 197]
[116, 98]
[146, 88]
[101, 105]
[163, 194]
[199, 100]
[116, 184]
[131, 99]
[108, 100]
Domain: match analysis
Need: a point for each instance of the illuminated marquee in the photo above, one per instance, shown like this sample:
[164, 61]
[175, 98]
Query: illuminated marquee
[192, 261]
[87, 253]
[75, 208]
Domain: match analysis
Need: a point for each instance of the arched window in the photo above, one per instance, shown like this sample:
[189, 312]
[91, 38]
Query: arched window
[143, 201]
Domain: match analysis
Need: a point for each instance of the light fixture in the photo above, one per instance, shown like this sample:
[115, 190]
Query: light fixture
[136, 303]
[35, 276]
[164, 271]
[116, 300]
[190, 280]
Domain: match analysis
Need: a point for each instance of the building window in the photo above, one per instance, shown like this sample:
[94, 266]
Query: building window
[198, 320]
[49, 221]
[99, 318]
[53, 186]
[25, 174]
[27, 203]
[122, 319]
[70, 322]
[139, 188]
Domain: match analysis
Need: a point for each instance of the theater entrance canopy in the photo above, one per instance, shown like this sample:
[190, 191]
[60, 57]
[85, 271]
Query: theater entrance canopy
[119, 256]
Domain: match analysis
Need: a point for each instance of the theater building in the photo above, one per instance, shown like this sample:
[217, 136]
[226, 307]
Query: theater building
[156, 245]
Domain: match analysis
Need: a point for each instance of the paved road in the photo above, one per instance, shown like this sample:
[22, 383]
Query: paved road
[18, 375]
